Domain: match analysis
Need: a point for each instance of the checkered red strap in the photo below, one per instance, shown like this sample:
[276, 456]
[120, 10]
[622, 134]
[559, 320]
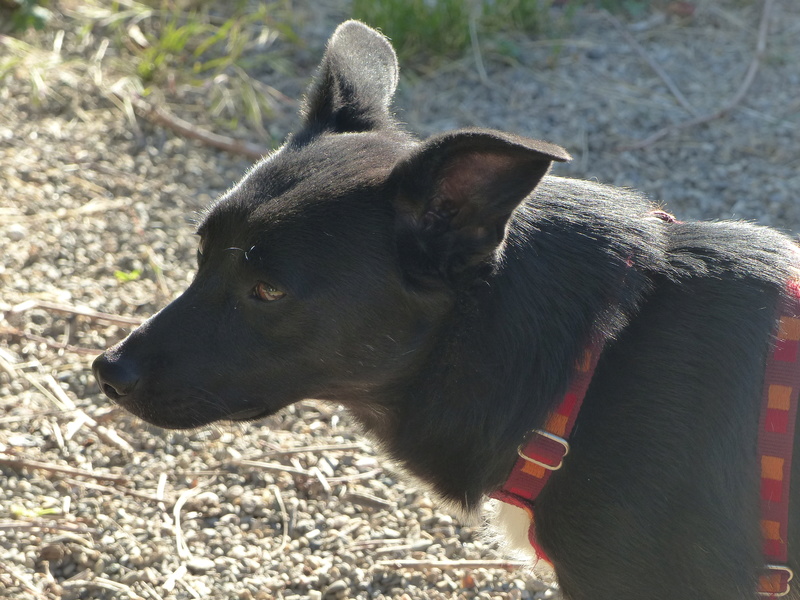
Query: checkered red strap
[775, 444]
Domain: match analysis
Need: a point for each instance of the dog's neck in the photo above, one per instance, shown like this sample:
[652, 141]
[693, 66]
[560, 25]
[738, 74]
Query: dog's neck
[486, 383]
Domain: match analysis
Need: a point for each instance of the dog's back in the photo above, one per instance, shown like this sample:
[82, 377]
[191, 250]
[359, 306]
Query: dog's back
[663, 465]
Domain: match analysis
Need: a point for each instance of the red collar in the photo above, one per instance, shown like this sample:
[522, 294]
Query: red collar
[543, 450]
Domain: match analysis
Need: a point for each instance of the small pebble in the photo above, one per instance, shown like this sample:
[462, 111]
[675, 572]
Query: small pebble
[16, 232]
[335, 588]
[199, 564]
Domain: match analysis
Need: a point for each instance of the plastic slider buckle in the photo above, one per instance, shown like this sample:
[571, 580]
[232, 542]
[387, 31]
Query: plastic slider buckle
[547, 436]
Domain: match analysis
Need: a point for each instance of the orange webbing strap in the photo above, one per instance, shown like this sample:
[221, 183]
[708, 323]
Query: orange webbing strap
[775, 445]
[543, 450]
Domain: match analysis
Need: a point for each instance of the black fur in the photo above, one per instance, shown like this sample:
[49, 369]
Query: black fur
[441, 289]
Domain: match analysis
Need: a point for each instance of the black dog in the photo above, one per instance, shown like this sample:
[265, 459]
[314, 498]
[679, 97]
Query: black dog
[442, 290]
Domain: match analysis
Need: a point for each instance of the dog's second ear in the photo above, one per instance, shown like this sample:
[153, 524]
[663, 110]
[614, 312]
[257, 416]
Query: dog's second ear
[456, 193]
[354, 84]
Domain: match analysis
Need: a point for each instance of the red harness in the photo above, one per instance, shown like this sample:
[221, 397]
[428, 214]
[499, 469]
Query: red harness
[543, 450]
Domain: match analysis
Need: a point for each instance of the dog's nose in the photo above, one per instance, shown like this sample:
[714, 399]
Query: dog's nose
[117, 378]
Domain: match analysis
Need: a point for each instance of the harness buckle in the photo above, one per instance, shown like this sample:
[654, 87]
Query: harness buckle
[775, 585]
[547, 448]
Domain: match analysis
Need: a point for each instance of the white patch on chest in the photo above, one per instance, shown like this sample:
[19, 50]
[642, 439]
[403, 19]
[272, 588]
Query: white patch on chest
[509, 525]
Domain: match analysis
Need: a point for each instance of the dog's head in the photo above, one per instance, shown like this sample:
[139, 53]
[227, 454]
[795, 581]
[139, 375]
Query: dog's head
[327, 271]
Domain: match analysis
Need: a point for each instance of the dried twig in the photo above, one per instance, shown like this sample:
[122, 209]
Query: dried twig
[80, 575]
[368, 500]
[284, 519]
[160, 116]
[162, 485]
[355, 477]
[67, 529]
[476, 47]
[192, 592]
[653, 64]
[421, 565]
[56, 400]
[183, 550]
[103, 583]
[205, 473]
[108, 435]
[150, 590]
[64, 402]
[372, 542]
[24, 463]
[75, 310]
[317, 449]
[51, 581]
[47, 525]
[57, 433]
[59, 397]
[48, 342]
[109, 489]
[170, 582]
[269, 466]
[314, 471]
[158, 269]
[755, 63]
[7, 362]
[24, 581]
[404, 548]
[91, 207]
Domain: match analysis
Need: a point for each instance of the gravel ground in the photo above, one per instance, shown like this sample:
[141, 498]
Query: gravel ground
[300, 506]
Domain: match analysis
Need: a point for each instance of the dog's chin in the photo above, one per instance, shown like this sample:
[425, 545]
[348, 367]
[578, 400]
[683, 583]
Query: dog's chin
[172, 413]
[250, 414]
[179, 419]
[183, 422]
[174, 421]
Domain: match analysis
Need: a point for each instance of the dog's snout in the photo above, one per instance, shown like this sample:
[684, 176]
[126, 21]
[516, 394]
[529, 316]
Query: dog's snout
[117, 378]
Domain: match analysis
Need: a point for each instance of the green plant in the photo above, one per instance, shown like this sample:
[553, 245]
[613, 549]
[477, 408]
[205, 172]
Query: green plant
[195, 43]
[27, 13]
[126, 276]
[21, 512]
[520, 15]
[634, 8]
[165, 44]
[441, 28]
[38, 65]
[417, 26]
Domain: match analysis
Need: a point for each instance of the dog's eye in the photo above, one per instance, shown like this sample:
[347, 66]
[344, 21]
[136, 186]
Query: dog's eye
[267, 292]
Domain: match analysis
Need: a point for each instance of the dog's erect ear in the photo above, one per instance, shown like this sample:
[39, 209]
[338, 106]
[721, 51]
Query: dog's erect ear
[354, 84]
[456, 193]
